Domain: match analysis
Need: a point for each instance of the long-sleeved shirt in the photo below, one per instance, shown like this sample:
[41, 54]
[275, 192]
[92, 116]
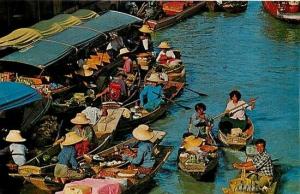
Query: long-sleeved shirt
[238, 113]
[144, 156]
[67, 156]
[199, 124]
[263, 164]
[152, 95]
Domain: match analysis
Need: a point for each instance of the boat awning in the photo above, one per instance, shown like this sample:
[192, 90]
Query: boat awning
[47, 51]
[13, 95]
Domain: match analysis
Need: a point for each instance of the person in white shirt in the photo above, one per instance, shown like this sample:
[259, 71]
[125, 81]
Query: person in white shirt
[235, 112]
[166, 55]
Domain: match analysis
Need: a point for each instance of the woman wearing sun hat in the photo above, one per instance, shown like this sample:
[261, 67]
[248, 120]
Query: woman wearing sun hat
[67, 166]
[128, 64]
[144, 159]
[145, 39]
[83, 129]
[166, 55]
[151, 95]
[16, 149]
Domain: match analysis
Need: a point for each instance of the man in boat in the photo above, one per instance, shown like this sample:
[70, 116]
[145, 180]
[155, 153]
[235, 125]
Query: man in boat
[261, 164]
[128, 64]
[145, 43]
[143, 159]
[235, 110]
[67, 166]
[117, 89]
[83, 129]
[17, 150]
[151, 95]
[201, 124]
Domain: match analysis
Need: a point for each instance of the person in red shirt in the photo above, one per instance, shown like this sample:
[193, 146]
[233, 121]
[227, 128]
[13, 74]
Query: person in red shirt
[128, 65]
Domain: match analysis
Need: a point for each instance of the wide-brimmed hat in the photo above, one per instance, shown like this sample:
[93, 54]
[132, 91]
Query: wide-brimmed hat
[80, 119]
[154, 77]
[145, 29]
[164, 45]
[143, 133]
[124, 51]
[85, 71]
[71, 138]
[14, 136]
[192, 141]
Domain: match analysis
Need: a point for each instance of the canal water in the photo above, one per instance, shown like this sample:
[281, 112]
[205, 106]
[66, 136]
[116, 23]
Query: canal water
[251, 52]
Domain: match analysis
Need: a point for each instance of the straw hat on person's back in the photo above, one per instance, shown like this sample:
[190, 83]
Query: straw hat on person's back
[164, 45]
[145, 29]
[154, 77]
[80, 119]
[124, 51]
[71, 139]
[142, 133]
[14, 136]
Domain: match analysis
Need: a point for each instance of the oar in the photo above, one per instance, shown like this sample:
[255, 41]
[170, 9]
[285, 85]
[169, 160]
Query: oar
[199, 93]
[168, 99]
[223, 113]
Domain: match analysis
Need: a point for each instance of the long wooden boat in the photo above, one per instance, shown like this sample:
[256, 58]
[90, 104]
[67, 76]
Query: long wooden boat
[125, 125]
[283, 10]
[176, 75]
[202, 168]
[237, 142]
[243, 185]
[171, 20]
[44, 180]
[234, 6]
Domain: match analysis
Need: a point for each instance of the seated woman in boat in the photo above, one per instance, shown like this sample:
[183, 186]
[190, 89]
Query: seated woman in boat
[128, 64]
[17, 150]
[144, 159]
[201, 124]
[83, 129]
[166, 54]
[67, 167]
[145, 43]
[152, 93]
[261, 164]
[235, 110]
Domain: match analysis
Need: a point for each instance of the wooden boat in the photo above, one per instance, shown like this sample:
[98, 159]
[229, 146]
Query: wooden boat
[234, 6]
[40, 181]
[125, 125]
[213, 6]
[244, 185]
[237, 142]
[199, 168]
[44, 162]
[171, 20]
[283, 10]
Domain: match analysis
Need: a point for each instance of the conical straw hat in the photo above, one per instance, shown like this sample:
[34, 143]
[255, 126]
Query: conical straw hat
[14, 136]
[192, 142]
[154, 78]
[164, 45]
[124, 51]
[145, 28]
[71, 138]
[142, 133]
[80, 119]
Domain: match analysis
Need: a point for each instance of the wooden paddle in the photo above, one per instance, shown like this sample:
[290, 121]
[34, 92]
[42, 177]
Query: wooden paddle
[170, 100]
[223, 113]
[199, 93]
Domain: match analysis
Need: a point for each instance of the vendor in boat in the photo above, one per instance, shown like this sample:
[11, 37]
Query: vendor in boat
[117, 89]
[144, 159]
[235, 113]
[152, 93]
[261, 164]
[166, 55]
[67, 167]
[201, 124]
[145, 43]
[92, 113]
[83, 129]
[128, 64]
[116, 43]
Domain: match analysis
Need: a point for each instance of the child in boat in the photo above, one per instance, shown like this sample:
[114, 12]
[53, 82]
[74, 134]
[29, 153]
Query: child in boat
[144, 160]
[67, 166]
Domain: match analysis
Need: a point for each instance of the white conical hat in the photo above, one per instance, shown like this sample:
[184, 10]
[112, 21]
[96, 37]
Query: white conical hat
[142, 133]
[14, 136]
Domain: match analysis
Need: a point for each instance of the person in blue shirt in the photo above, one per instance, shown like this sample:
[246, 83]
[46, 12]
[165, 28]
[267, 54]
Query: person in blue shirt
[67, 166]
[151, 95]
[144, 159]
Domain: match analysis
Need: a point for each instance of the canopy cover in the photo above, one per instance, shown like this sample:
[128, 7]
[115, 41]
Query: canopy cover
[13, 95]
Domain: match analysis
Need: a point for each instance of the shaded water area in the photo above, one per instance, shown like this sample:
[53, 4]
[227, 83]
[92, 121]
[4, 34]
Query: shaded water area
[251, 52]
